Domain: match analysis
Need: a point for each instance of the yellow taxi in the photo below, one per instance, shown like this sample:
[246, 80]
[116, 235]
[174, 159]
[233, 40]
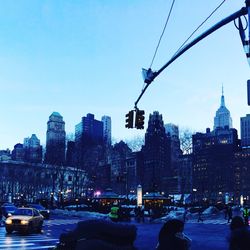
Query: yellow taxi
[24, 220]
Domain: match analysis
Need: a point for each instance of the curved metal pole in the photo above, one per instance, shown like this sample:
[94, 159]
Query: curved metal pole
[223, 22]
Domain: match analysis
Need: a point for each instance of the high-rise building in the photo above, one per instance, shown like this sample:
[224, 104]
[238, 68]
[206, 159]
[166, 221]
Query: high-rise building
[222, 118]
[156, 153]
[33, 149]
[55, 140]
[213, 154]
[88, 134]
[106, 130]
[245, 130]
[172, 132]
[89, 131]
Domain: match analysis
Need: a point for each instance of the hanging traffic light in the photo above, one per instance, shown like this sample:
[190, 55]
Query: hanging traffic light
[139, 119]
[130, 119]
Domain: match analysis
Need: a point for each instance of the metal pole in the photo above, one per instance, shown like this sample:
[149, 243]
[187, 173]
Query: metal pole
[241, 12]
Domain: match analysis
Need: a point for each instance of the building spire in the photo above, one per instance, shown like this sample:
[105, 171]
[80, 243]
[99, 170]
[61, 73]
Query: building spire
[222, 103]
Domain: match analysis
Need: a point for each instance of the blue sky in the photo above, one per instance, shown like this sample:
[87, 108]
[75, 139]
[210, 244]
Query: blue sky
[77, 57]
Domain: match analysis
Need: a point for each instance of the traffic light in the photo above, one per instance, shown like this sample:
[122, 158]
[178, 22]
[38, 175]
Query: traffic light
[129, 119]
[139, 119]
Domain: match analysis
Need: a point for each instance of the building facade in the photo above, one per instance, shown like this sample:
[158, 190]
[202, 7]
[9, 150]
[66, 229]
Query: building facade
[245, 130]
[33, 149]
[55, 140]
[222, 118]
[106, 120]
[156, 156]
[213, 155]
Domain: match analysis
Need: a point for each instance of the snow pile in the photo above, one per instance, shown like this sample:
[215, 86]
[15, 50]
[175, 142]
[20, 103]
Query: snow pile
[79, 214]
[211, 210]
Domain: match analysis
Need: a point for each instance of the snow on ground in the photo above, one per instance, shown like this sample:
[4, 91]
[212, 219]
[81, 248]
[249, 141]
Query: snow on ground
[211, 213]
[79, 214]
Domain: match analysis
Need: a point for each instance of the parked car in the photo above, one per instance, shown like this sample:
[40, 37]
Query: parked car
[42, 210]
[8, 209]
[24, 220]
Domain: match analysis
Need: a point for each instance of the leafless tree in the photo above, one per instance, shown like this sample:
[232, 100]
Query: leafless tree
[186, 140]
[135, 143]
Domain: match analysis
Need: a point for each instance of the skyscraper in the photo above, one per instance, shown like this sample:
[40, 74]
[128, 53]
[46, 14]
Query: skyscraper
[106, 130]
[222, 118]
[89, 131]
[156, 153]
[55, 140]
[88, 134]
[245, 130]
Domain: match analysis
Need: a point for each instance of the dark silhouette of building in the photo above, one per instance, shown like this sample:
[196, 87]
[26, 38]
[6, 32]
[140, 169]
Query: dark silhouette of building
[88, 134]
[70, 153]
[213, 155]
[33, 149]
[18, 153]
[245, 130]
[241, 166]
[156, 154]
[119, 156]
[55, 140]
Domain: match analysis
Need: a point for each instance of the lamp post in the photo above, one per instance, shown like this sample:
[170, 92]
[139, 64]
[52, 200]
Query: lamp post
[139, 196]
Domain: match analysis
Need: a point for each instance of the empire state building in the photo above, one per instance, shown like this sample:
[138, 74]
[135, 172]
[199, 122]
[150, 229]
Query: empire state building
[222, 118]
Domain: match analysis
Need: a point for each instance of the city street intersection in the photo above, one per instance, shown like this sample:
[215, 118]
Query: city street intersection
[207, 235]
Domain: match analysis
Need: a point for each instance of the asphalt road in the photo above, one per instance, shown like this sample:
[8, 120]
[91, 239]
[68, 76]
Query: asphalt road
[205, 235]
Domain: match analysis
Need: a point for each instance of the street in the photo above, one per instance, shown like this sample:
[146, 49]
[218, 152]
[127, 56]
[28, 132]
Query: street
[205, 235]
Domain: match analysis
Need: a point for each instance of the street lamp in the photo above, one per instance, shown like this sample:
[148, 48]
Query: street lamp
[194, 194]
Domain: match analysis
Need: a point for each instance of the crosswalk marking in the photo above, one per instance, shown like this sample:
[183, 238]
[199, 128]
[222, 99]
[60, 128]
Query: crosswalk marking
[17, 241]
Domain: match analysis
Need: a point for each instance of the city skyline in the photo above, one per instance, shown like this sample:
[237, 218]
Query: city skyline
[77, 58]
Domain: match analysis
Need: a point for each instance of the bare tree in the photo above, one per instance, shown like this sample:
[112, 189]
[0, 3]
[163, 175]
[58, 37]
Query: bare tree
[135, 143]
[186, 140]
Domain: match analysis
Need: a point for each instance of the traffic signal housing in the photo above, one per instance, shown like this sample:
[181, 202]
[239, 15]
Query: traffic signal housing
[130, 119]
[139, 119]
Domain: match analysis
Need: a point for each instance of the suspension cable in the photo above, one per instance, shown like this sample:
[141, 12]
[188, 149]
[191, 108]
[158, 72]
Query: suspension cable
[166, 23]
[200, 26]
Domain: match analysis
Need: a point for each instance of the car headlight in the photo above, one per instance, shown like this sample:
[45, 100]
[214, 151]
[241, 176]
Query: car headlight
[8, 221]
[24, 222]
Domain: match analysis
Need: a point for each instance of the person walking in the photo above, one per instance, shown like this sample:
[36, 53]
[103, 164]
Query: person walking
[185, 215]
[114, 213]
[200, 215]
[240, 235]
[226, 212]
[230, 214]
[171, 236]
[246, 215]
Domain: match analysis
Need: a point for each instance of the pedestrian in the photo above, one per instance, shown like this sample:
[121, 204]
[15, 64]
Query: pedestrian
[246, 215]
[114, 213]
[185, 215]
[226, 212]
[230, 214]
[200, 215]
[240, 235]
[171, 236]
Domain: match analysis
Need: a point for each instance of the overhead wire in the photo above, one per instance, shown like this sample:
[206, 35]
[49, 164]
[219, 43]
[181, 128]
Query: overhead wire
[166, 23]
[183, 44]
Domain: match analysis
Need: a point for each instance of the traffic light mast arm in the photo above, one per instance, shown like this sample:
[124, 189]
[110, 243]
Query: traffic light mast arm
[150, 75]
